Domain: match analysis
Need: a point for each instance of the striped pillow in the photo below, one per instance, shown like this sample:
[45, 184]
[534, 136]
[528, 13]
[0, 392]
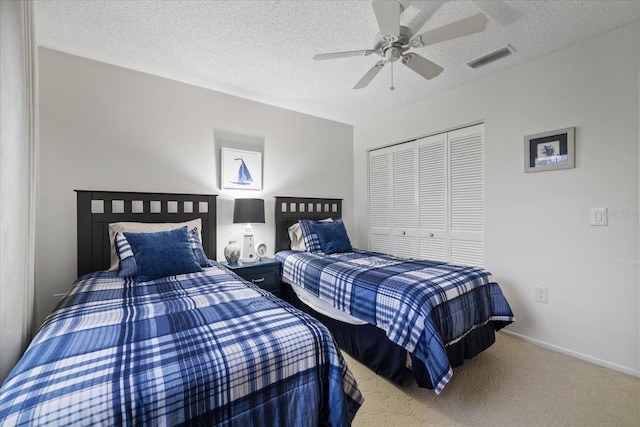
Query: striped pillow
[311, 240]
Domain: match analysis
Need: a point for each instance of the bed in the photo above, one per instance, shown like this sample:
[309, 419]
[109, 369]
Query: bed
[195, 345]
[390, 313]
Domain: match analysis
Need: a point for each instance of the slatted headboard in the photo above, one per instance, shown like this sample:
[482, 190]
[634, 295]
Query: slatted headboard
[96, 209]
[289, 210]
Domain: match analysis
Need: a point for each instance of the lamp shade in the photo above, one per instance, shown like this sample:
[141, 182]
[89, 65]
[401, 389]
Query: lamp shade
[248, 211]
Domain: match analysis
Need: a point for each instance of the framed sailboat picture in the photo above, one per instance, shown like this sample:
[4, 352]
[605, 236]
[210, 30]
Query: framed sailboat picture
[241, 170]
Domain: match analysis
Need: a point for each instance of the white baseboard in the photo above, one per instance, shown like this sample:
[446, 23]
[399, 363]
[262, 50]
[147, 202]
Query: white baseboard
[577, 355]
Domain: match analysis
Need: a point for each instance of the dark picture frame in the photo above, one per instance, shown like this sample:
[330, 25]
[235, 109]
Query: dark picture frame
[550, 150]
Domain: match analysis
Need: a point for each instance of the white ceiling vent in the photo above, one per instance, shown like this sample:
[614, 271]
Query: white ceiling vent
[491, 56]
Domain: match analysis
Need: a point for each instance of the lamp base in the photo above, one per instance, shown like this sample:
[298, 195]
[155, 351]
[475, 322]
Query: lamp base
[248, 253]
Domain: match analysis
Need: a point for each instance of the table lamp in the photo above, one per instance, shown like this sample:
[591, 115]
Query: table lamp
[248, 211]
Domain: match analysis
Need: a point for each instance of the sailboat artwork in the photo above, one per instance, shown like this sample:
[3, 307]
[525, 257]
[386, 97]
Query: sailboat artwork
[241, 170]
[243, 177]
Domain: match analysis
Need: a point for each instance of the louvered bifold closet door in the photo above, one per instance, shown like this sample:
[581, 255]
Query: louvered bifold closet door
[380, 200]
[427, 197]
[466, 183]
[433, 198]
[403, 192]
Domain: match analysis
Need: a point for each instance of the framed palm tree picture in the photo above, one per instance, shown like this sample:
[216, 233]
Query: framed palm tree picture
[240, 169]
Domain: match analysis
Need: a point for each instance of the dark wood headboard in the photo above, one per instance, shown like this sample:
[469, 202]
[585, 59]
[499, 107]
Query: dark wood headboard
[289, 210]
[97, 209]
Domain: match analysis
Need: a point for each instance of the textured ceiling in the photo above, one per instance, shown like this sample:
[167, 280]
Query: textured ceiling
[262, 50]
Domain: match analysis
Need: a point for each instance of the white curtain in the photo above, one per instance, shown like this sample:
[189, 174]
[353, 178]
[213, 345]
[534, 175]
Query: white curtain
[18, 156]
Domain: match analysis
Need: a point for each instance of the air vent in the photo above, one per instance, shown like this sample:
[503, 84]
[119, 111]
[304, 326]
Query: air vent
[491, 56]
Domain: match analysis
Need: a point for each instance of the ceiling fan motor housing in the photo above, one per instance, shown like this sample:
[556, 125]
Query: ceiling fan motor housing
[391, 48]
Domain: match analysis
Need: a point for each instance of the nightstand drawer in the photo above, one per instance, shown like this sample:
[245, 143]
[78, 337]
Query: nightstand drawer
[265, 273]
[264, 279]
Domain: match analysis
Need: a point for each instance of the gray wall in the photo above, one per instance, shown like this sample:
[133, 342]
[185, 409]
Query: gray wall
[108, 128]
[537, 230]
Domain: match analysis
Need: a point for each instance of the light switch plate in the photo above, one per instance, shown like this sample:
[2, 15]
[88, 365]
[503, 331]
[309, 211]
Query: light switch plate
[599, 216]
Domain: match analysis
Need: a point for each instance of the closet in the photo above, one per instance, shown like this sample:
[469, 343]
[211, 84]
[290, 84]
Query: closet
[426, 197]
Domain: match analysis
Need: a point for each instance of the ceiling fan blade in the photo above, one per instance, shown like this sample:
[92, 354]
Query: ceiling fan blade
[388, 16]
[373, 71]
[464, 27]
[334, 55]
[422, 66]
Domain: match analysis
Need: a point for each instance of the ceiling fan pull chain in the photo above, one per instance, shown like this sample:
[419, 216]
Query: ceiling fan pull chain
[392, 88]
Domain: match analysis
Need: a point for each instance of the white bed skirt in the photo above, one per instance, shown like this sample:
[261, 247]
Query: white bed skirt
[323, 307]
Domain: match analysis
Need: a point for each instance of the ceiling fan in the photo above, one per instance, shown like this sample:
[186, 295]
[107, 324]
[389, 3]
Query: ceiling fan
[394, 42]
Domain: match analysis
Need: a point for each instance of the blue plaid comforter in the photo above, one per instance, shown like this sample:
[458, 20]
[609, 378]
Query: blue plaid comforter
[422, 305]
[204, 348]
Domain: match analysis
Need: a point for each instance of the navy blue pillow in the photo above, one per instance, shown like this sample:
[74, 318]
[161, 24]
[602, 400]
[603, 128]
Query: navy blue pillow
[162, 254]
[333, 237]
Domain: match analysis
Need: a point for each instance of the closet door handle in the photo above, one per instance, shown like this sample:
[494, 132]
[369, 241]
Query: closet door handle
[430, 234]
[404, 232]
[257, 280]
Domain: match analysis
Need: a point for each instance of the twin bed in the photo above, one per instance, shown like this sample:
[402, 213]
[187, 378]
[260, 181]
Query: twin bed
[183, 341]
[389, 313]
[156, 332]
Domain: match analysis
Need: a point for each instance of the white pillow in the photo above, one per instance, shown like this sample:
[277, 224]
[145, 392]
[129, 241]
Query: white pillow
[145, 227]
[296, 237]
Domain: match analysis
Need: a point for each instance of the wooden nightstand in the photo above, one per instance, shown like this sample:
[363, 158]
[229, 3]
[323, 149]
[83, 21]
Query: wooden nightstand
[264, 273]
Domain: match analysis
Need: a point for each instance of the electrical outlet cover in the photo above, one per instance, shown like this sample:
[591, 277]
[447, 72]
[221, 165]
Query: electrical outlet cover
[542, 295]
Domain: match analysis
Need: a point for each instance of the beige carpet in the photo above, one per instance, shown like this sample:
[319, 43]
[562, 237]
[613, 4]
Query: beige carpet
[513, 383]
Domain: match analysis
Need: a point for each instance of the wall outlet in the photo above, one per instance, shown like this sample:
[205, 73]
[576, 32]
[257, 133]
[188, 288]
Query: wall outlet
[542, 295]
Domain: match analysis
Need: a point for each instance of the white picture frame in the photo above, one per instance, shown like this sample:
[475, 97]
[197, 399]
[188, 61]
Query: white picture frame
[550, 150]
[241, 169]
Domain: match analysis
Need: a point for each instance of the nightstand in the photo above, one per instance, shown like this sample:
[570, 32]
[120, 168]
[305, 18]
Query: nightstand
[264, 273]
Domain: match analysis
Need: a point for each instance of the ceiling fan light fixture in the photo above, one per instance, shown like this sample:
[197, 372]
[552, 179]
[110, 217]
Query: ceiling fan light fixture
[392, 54]
[491, 56]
